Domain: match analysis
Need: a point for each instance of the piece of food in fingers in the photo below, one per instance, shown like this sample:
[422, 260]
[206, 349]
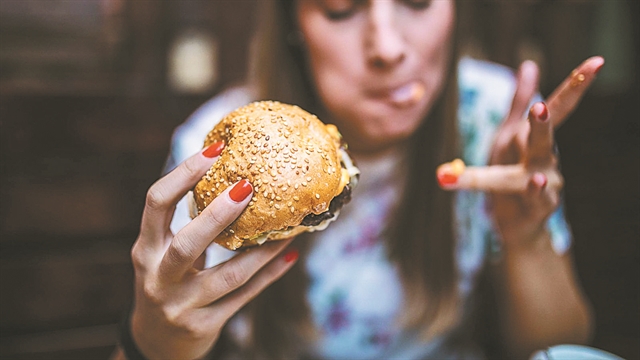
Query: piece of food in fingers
[448, 173]
[298, 166]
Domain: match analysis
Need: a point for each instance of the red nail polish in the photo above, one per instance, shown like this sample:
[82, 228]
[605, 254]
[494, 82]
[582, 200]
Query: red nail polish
[541, 179]
[241, 190]
[446, 178]
[544, 114]
[291, 255]
[214, 149]
[537, 183]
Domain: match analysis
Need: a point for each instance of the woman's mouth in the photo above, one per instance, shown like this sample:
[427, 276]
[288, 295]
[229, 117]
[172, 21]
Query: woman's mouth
[405, 95]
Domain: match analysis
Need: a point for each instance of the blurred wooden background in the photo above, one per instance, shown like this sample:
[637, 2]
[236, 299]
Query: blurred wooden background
[88, 102]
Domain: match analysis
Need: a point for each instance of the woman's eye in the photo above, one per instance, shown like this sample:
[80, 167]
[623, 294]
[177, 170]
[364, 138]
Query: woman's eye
[418, 4]
[339, 15]
[336, 10]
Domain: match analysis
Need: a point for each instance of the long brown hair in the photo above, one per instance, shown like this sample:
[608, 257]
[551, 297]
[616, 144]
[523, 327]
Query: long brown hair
[421, 238]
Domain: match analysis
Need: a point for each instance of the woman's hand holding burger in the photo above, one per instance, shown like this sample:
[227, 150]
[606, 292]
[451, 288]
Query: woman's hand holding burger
[181, 308]
[269, 171]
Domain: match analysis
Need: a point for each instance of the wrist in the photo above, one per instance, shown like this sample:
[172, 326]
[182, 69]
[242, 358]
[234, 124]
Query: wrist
[537, 244]
[126, 339]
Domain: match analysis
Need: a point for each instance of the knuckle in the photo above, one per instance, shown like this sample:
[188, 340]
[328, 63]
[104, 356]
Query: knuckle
[233, 276]
[195, 329]
[190, 169]
[137, 258]
[215, 219]
[178, 252]
[173, 316]
[151, 294]
[184, 323]
[155, 198]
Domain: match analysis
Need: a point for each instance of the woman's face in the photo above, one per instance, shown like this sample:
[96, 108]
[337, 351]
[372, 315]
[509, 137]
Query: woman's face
[378, 65]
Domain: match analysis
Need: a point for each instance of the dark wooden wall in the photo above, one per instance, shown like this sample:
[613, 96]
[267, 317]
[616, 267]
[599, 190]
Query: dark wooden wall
[86, 116]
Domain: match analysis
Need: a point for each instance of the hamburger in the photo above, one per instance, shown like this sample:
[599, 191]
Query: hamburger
[299, 168]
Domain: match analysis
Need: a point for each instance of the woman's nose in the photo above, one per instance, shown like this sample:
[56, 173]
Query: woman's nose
[384, 43]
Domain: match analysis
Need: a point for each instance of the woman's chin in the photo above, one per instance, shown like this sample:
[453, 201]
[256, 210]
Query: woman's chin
[374, 140]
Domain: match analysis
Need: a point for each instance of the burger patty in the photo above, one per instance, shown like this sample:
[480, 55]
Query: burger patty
[335, 205]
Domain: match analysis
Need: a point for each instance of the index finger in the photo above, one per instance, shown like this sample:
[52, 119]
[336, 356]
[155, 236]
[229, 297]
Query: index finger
[165, 193]
[526, 87]
[503, 179]
[190, 242]
[566, 97]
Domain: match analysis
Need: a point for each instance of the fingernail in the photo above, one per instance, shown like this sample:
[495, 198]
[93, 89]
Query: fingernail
[291, 255]
[447, 178]
[544, 113]
[541, 180]
[597, 70]
[241, 190]
[538, 182]
[449, 173]
[214, 149]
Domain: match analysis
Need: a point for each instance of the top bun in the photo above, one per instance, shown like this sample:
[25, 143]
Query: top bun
[292, 160]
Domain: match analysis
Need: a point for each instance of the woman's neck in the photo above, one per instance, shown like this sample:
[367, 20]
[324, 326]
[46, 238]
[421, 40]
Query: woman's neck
[398, 151]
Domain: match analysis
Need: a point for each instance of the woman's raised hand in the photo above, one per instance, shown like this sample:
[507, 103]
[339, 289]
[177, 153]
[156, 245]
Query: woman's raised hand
[179, 307]
[523, 177]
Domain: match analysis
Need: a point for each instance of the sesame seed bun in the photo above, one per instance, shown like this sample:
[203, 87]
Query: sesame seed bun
[295, 163]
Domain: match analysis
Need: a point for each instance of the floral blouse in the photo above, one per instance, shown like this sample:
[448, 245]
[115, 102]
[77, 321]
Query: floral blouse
[355, 293]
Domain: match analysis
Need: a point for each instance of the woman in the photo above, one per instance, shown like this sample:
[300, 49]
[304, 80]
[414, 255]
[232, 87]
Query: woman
[394, 276]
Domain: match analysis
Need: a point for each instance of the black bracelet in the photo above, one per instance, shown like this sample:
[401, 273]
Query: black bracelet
[129, 347]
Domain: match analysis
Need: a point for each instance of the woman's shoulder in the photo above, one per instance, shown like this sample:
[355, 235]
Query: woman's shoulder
[212, 111]
[484, 85]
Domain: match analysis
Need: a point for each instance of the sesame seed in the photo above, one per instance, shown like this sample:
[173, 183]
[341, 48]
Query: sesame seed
[277, 206]
[317, 196]
[296, 198]
[293, 209]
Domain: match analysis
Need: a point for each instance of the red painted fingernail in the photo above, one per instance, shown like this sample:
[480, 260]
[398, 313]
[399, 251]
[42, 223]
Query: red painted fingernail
[544, 181]
[214, 149]
[448, 173]
[446, 178]
[291, 255]
[241, 190]
[540, 180]
[544, 113]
